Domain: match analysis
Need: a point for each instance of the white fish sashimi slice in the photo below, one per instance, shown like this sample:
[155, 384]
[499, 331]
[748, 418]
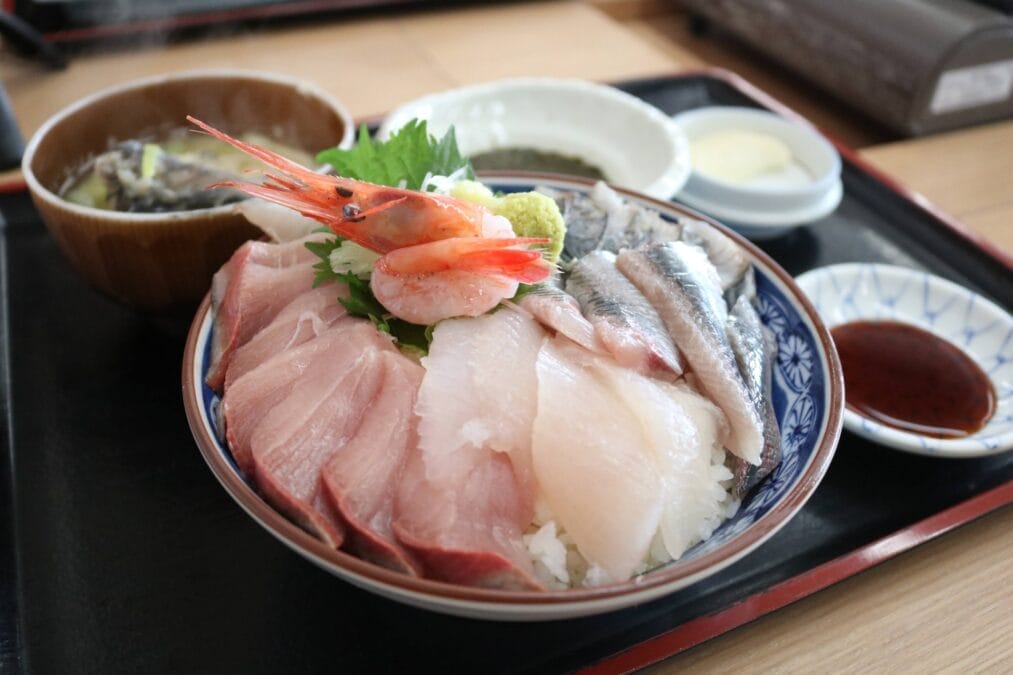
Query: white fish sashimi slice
[593, 463]
[479, 392]
[695, 499]
[682, 429]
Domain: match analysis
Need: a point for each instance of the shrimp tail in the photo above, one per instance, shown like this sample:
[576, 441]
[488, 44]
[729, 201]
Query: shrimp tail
[481, 255]
[518, 264]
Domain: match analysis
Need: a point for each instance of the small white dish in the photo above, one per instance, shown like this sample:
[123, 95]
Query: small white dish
[979, 327]
[634, 144]
[806, 190]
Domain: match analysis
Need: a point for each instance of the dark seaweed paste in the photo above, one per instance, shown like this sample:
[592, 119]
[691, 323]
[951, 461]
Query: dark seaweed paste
[529, 159]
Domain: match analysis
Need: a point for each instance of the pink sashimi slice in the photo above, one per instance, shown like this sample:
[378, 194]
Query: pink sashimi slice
[361, 479]
[468, 531]
[304, 318]
[251, 397]
[251, 288]
[301, 433]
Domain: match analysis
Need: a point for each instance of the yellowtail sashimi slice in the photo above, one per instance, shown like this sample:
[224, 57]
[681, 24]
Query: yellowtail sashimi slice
[362, 478]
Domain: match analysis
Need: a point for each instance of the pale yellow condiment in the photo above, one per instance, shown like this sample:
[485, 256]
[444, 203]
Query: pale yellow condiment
[738, 156]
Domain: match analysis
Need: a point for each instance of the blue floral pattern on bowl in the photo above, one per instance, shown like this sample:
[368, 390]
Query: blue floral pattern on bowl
[799, 396]
[982, 329]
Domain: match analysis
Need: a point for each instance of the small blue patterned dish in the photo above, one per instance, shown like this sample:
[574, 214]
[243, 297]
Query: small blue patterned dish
[977, 326]
[808, 401]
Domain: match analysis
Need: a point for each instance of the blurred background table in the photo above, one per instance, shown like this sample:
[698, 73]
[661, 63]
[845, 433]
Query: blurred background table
[945, 606]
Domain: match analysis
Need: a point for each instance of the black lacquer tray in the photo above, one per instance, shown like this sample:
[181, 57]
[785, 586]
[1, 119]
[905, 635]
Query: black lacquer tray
[120, 552]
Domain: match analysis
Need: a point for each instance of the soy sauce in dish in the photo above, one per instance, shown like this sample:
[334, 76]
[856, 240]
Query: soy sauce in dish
[529, 159]
[907, 378]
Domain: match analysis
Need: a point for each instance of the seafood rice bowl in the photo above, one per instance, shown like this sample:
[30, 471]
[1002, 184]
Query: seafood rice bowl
[531, 399]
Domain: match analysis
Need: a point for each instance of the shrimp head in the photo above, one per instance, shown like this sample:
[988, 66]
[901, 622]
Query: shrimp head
[374, 216]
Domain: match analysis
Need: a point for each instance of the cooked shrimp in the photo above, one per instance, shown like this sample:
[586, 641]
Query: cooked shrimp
[376, 217]
[455, 277]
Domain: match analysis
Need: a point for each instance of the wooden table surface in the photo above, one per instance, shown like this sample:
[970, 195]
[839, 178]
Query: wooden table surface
[945, 606]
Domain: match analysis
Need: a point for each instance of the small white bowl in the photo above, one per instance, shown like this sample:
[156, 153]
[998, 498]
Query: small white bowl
[980, 328]
[634, 144]
[808, 190]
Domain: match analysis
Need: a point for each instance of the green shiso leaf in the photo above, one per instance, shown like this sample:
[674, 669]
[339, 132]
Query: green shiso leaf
[403, 160]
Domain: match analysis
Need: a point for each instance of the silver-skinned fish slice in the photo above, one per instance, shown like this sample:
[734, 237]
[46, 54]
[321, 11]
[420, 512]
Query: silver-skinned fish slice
[728, 258]
[603, 220]
[630, 225]
[556, 309]
[684, 288]
[623, 319]
[585, 221]
[754, 353]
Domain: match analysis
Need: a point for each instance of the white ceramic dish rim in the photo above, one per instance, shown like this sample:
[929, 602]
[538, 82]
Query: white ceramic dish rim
[717, 197]
[516, 605]
[968, 447]
[781, 220]
[302, 86]
[667, 184]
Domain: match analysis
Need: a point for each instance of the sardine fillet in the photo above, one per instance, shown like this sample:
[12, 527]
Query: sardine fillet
[754, 355]
[623, 319]
[687, 295]
[557, 310]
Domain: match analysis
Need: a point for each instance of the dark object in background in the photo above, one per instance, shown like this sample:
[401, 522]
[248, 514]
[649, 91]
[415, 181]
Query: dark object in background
[1004, 6]
[917, 66]
[27, 41]
[82, 22]
[12, 145]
